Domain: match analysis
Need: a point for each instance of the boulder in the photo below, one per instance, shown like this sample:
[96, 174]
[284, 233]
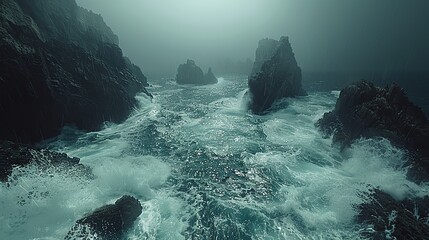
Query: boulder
[279, 77]
[190, 73]
[364, 110]
[392, 219]
[60, 65]
[18, 155]
[108, 222]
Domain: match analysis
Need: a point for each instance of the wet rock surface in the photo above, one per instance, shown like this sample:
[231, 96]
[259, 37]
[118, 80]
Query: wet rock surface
[108, 222]
[18, 155]
[279, 77]
[60, 65]
[392, 219]
[364, 110]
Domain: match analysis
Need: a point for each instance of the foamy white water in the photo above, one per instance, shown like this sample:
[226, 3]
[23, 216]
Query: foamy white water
[205, 168]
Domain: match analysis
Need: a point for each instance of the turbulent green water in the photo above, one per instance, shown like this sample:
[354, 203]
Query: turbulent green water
[205, 168]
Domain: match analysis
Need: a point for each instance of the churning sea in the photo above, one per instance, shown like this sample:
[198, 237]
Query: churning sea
[204, 167]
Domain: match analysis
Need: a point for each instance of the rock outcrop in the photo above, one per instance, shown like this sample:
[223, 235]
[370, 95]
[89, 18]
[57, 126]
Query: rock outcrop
[279, 77]
[190, 73]
[60, 65]
[265, 51]
[392, 219]
[108, 222]
[209, 77]
[17, 155]
[364, 110]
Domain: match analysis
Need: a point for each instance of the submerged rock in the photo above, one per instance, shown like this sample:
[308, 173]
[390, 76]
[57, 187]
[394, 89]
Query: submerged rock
[108, 222]
[60, 65]
[392, 219]
[190, 73]
[17, 155]
[279, 77]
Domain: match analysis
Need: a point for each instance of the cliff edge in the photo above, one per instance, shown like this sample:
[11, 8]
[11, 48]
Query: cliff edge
[60, 65]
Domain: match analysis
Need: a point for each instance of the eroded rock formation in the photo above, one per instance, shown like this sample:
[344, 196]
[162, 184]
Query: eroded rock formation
[17, 155]
[279, 77]
[392, 219]
[60, 65]
[108, 222]
[265, 51]
[364, 110]
[190, 73]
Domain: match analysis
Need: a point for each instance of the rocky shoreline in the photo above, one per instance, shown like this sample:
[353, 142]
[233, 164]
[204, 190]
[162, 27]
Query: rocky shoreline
[68, 73]
[60, 65]
[366, 111]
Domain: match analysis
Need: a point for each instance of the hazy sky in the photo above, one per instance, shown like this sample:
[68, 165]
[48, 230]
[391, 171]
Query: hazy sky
[326, 35]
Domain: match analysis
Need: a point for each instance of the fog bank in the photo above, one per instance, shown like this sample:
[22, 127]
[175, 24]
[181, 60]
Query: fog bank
[327, 36]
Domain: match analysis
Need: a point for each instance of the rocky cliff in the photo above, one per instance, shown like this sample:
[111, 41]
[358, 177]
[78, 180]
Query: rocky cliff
[364, 110]
[190, 73]
[60, 65]
[279, 77]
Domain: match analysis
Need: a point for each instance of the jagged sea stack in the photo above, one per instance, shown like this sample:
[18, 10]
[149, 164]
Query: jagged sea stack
[190, 73]
[265, 51]
[278, 77]
[209, 77]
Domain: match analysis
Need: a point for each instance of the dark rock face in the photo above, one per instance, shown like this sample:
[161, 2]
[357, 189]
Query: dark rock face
[393, 219]
[108, 222]
[265, 51]
[279, 77]
[60, 65]
[18, 155]
[209, 77]
[190, 73]
[137, 72]
[364, 110]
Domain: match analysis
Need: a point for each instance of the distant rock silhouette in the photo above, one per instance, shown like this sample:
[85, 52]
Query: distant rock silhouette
[364, 110]
[190, 73]
[209, 77]
[60, 65]
[279, 77]
[18, 155]
[108, 222]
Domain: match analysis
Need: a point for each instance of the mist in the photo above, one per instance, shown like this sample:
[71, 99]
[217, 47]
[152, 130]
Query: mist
[327, 36]
[319, 131]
